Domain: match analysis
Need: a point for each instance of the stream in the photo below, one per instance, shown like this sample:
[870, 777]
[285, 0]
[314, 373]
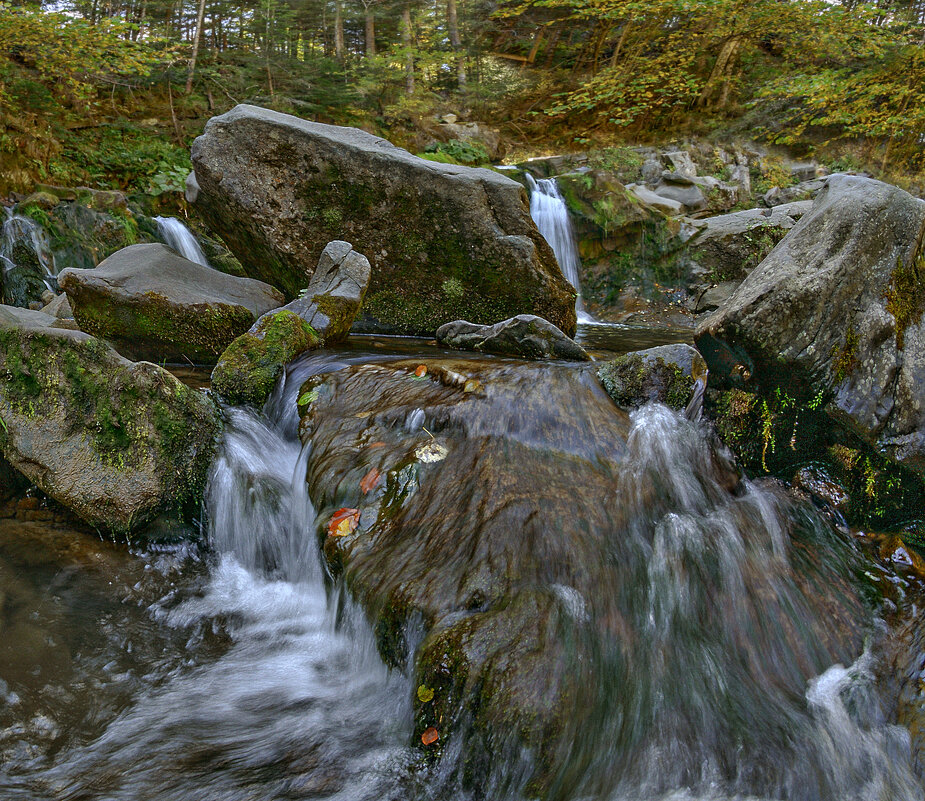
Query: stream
[751, 640]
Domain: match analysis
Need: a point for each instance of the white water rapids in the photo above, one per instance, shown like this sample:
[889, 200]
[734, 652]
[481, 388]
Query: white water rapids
[296, 704]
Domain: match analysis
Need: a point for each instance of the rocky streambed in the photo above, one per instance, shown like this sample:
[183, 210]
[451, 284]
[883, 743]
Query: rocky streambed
[476, 566]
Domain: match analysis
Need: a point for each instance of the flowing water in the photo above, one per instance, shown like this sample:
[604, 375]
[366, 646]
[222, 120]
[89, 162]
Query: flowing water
[181, 239]
[26, 259]
[549, 212]
[241, 671]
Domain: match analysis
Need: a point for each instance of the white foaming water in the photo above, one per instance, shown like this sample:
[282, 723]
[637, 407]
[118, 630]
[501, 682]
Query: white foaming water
[549, 212]
[300, 704]
[721, 594]
[20, 229]
[181, 239]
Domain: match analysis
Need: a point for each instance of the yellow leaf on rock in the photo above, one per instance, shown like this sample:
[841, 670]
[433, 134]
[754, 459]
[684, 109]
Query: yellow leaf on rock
[425, 694]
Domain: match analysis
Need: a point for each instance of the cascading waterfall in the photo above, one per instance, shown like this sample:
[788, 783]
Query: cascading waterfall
[700, 695]
[549, 212]
[25, 258]
[181, 239]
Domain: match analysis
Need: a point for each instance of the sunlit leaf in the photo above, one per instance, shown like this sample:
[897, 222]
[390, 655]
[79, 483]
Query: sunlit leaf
[343, 522]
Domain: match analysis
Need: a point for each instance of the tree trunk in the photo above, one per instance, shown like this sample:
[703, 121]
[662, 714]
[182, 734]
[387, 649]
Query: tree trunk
[551, 45]
[196, 38]
[455, 42]
[370, 32]
[406, 37]
[338, 30]
[716, 90]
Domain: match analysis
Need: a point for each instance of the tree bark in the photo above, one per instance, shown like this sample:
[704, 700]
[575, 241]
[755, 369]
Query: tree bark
[196, 38]
[406, 40]
[452, 24]
[716, 90]
[338, 30]
[370, 31]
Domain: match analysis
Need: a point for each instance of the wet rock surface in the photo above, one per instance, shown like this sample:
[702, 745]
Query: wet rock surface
[526, 335]
[116, 442]
[153, 304]
[664, 374]
[838, 305]
[489, 521]
[444, 242]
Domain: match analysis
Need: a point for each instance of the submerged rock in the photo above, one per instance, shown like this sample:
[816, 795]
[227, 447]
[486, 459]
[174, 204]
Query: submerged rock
[837, 307]
[665, 374]
[116, 442]
[547, 562]
[324, 312]
[154, 304]
[444, 241]
[526, 335]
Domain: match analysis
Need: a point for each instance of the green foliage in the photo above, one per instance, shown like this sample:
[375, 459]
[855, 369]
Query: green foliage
[458, 152]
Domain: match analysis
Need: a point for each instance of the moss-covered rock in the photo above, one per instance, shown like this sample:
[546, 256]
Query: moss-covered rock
[116, 442]
[249, 367]
[836, 308]
[278, 189]
[665, 374]
[154, 304]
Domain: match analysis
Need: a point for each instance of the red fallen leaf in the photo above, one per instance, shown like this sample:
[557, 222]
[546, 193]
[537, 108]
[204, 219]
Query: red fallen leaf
[430, 736]
[421, 371]
[343, 522]
[370, 480]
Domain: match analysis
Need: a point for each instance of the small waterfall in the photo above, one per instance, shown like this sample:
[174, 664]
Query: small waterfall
[28, 265]
[549, 212]
[181, 239]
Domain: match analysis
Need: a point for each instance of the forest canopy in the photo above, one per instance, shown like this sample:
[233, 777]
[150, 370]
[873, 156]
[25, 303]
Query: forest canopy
[110, 92]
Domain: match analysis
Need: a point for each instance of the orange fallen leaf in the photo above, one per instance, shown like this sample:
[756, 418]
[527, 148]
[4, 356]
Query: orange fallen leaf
[421, 371]
[343, 522]
[430, 736]
[379, 444]
[370, 480]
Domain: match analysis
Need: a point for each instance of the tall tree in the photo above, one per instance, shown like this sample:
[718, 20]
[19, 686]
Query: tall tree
[196, 39]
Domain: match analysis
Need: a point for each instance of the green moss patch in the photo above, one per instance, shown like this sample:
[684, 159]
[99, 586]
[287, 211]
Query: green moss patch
[775, 433]
[905, 297]
[130, 416]
[632, 381]
[249, 367]
[201, 332]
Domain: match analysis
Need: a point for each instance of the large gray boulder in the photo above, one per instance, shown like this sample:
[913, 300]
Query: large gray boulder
[323, 313]
[728, 246]
[838, 305]
[444, 242]
[151, 303]
[116, 442]
[526, 335]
